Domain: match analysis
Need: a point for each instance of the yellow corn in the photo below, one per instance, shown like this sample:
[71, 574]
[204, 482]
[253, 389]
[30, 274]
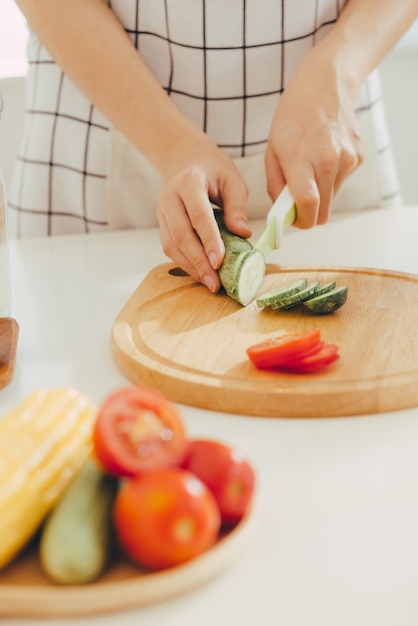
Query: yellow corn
[44, 442]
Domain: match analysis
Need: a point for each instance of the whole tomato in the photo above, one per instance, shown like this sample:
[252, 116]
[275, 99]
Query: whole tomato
[165, 518]
[138, 430]
[227, 473]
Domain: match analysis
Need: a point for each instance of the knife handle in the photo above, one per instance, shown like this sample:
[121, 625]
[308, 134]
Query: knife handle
[284, 213]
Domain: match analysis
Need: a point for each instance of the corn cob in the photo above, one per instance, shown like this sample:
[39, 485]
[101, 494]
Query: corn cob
[44, 442]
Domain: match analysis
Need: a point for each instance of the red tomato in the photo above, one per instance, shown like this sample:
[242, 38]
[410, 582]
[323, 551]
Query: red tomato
[294, 352]
[275, 352]
[137, 430]
[315, 362]
[226, 472]
[165, 518]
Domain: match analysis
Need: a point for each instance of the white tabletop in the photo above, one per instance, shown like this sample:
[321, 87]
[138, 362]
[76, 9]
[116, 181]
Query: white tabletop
[337, 538]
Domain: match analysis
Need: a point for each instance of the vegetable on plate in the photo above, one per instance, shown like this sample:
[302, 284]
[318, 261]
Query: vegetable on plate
[75, 542]
[165, 518]
[227, 473]
[44, 442]
[138, 430]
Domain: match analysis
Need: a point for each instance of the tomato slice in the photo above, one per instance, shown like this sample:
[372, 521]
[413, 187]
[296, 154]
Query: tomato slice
[138, 430]
[314, 362]
[276, 351]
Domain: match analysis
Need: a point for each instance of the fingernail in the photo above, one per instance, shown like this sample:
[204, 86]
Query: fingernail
[213, 260]
[210, 282]
[243, 224]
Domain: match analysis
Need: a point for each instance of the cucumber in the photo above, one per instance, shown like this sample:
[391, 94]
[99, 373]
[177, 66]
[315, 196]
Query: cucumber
[325, 288]
[243, 269]
[76, 538]
[273, 297]
[299, 297]
[328, 302]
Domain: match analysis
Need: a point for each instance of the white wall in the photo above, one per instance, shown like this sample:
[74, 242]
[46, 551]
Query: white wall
[399, 73]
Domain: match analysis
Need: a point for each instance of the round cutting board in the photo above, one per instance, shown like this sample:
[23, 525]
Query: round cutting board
[174, 335]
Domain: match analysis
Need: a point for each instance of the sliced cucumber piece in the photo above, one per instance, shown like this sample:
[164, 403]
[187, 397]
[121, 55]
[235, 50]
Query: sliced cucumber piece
[273, 297]
[309, 292]
[325, 288]
[328, 302]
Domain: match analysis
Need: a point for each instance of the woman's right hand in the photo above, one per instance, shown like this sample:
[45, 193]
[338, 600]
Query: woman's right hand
[196, 174]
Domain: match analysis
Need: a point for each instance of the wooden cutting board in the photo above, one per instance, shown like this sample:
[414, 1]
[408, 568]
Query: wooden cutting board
[174, 335]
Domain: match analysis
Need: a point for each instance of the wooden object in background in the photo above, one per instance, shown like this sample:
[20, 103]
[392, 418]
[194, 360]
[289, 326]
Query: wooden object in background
[9, 332]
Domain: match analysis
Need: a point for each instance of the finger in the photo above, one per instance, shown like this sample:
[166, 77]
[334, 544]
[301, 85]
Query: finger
[350, 161]
[201, 216]
[180, 242]
[331, 175]
[325, 180]
[301, 180]
[274, 175]
[302, 184]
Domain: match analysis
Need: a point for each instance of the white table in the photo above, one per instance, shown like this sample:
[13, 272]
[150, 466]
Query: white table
[337, 540]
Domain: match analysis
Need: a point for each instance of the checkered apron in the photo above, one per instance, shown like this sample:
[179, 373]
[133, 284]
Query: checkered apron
[225, 64]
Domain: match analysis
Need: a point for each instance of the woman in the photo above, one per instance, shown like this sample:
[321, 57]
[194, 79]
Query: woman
[143, 111]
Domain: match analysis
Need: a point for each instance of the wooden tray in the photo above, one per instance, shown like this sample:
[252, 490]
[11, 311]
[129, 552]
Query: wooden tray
[173, 334]
[25, 592]
[9, 332]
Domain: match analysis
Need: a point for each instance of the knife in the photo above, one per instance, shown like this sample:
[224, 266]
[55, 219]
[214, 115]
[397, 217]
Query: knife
[280, 216]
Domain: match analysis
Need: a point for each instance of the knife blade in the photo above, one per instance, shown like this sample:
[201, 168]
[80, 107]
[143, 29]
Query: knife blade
[279, 217]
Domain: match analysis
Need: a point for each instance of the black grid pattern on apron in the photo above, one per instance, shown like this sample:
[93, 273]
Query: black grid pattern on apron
[226, 79]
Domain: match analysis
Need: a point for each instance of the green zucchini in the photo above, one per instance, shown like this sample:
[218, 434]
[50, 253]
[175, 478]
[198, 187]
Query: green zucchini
[309, 292]
[273, 297]
[76, 538]
[325, 288]
[328, 302]
[243, 269]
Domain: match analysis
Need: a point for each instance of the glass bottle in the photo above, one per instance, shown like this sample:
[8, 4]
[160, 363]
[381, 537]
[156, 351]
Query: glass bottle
[5, 286]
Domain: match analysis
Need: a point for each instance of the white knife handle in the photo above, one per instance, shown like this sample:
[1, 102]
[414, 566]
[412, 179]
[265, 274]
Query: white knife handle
[284, 212]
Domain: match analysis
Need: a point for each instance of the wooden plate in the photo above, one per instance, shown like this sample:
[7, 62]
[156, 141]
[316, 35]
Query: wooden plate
[9, 332]
[25, 592]
[173, 334]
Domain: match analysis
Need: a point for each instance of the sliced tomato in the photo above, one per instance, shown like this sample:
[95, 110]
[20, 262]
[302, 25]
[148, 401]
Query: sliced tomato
[327, 354]
[276, 351]
[138, 430]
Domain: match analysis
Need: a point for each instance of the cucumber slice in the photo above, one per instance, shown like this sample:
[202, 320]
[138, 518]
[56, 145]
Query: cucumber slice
[325, 288]
[328, 302]
[309, 292]
[273, 298]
